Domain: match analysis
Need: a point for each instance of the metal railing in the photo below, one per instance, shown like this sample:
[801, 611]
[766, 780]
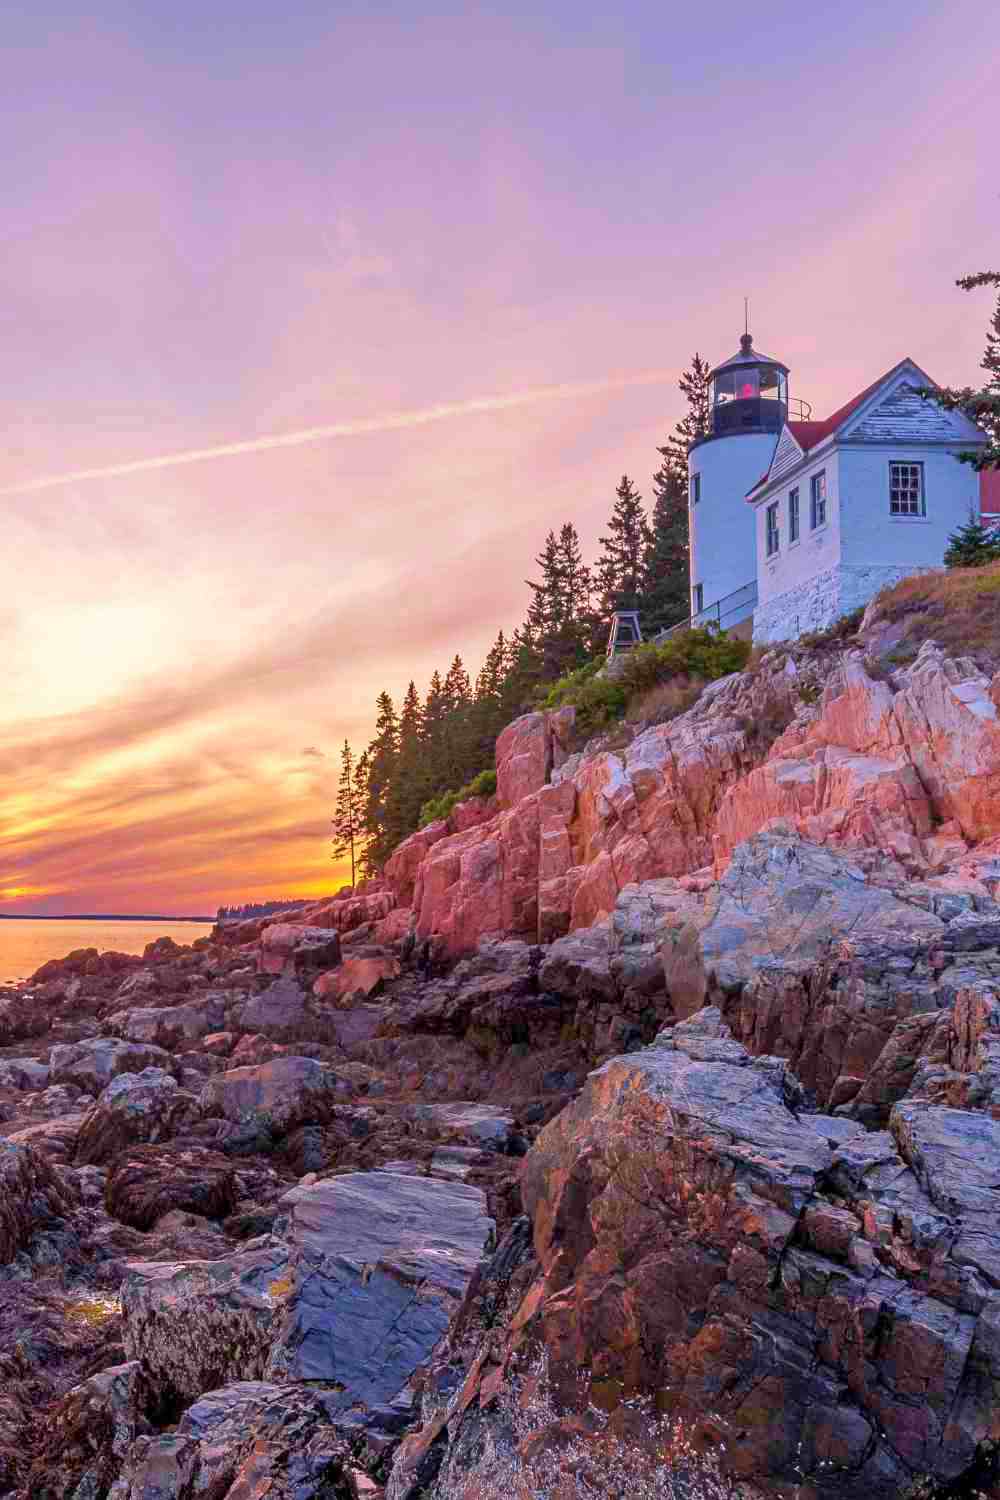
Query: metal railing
[799, 410]
[725, 612]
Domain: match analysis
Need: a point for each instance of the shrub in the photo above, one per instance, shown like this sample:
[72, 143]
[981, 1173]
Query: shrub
[690, 655]
[483, 785]
[666, 701]
[631, 1453]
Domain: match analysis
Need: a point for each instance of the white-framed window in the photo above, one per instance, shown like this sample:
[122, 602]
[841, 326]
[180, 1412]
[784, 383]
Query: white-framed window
[793, 515]
[698, 595]
[817, 499]
[773, 534]
[906, 489]
[695, 488]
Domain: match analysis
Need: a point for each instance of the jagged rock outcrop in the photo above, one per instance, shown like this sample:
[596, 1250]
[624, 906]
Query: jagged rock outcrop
[357, 1293]
[790, 1284]
[134, 1109]
[146, 1182]
[91, 1065]
[31, 1192]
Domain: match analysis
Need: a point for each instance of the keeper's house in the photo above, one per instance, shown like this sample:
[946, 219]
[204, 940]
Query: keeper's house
[823, 513]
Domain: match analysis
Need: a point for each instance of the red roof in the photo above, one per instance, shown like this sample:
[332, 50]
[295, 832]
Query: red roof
[810, 434]
[989, 492]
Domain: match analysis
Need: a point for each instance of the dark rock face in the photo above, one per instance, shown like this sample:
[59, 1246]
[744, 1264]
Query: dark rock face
[355, 1296]
[150, 1181]
[797, 1284]
[31, 1192]
[173, 1027]
[91, 1065]
[284, 1093]
[284, 1012]
[251, 1438]
[134, 1108]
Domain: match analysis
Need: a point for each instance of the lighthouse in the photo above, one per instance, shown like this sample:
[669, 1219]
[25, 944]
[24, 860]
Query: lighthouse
[748, 407]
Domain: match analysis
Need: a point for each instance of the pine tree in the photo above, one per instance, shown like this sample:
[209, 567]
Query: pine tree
[382, 755]
[571, 646]
[665, 584]
[405, 795]
[457, 754]
[973, 545]
[347, 817]
[694, 387]
[620, 567]
[982, 406]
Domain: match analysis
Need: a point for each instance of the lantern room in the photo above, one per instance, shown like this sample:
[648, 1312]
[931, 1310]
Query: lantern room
[748, 393]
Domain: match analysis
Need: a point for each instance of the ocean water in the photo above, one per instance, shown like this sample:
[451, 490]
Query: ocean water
[25, 946]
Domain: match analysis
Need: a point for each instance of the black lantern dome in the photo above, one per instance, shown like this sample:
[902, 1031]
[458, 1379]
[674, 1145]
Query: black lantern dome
[748, 393]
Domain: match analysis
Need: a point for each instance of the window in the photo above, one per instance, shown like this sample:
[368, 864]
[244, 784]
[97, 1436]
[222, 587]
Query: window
[817, 491]
[695, 488]
[793, 516]
[906, 490]
[773, 535]
[699, 598]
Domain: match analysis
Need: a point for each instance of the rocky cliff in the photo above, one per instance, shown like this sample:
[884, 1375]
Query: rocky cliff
[678, 1061]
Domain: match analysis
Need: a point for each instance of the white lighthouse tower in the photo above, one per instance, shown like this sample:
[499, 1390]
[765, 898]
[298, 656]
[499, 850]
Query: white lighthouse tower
[748, 397]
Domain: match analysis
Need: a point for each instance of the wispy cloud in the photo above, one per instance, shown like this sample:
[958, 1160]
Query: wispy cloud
[357, 427]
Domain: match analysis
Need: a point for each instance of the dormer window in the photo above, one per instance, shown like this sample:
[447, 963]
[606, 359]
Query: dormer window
[906, 490]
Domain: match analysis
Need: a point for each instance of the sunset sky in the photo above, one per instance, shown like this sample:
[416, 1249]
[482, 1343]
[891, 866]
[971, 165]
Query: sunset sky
[233, 221]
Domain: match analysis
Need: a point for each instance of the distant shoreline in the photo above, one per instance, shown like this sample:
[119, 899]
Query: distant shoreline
[111, 916]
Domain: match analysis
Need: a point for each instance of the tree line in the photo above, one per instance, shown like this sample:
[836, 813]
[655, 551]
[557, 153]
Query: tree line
[440, 741]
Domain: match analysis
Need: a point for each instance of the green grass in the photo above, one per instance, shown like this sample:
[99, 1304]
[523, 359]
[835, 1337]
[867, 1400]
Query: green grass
[690, 655]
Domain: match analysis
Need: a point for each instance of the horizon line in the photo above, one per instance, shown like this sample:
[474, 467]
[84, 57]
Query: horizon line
[357, 427]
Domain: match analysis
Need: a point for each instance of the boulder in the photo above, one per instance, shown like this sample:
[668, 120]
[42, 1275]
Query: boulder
[135, 1108]
[24, 1073]
[285, 1093]
[21, 1017]
[171, 1027]
[293, 949]
[32, 1192]
[357, 978]
[373, 1267]
[481, 1125]
[249, 1438]
[284, 1013]
[146, 1182]
[91, 1065]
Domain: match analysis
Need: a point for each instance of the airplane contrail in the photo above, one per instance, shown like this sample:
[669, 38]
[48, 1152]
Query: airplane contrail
[419, 417]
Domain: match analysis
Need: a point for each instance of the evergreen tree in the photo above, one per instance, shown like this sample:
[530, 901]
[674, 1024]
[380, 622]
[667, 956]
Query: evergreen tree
[665, 585]
[621, 565]
[382, 755]
[973, 545]
[405, 795]
[571, 647]
[982, 406]
[457, 754]
[347, 817]
[693, 386]
[545, 609]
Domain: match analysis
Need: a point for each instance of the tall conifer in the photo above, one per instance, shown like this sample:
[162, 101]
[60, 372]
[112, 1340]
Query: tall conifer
[347, 816]
[621, 564]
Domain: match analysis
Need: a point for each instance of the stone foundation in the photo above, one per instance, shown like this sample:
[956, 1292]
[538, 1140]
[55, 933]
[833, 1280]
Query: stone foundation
[817, 604]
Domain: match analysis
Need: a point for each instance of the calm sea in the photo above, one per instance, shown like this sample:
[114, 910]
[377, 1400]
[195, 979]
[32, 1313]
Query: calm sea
[25, 946]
